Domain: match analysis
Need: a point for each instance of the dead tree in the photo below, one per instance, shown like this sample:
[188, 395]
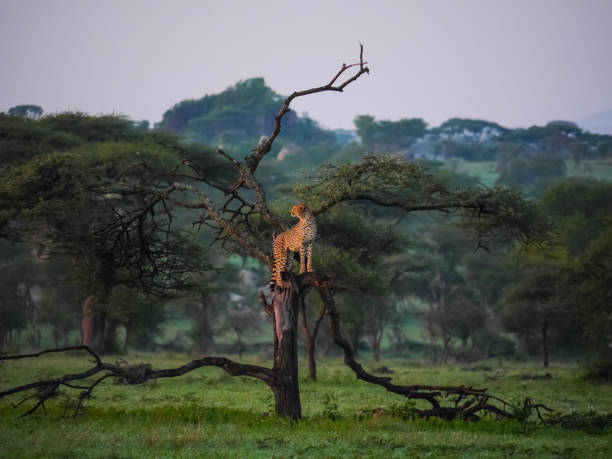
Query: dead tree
[244, 221]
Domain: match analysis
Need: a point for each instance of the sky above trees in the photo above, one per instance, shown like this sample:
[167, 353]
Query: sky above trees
[515, 62]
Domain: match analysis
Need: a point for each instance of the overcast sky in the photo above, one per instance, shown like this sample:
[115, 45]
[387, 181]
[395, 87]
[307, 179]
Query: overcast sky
[516, 62]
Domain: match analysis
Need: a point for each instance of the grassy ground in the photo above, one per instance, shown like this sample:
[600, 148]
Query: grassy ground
[207, 413]
[599, 169]
[486, 171]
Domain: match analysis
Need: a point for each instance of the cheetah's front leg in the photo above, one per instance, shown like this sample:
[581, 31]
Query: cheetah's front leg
[303, 259]
[309, 258]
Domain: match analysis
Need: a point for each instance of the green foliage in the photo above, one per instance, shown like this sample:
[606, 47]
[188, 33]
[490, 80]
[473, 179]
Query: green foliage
[22, 138]
[408, 186]
[588, 285]
[141, 315]
[15, 305]
[330, 407]
[582, 243]
[93, 128]
[406, 410]
[382, 177]
[531, 299]
[389, 135]
[468, 150]
[473, 129]
[599, 366]
[531, 173]
[545, 136]
[26, 111]
[590, 421]
[472, 140]
[96, 203]
[458, 306]
[239, 116]
[60, 306]
[580, 209]
[65, 176]
[357, 231]
[522, 412]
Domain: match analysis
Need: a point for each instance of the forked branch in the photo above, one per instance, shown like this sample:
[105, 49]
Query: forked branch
[265, 146]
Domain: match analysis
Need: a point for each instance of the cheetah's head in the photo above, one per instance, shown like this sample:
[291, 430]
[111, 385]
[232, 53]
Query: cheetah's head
[298, 210]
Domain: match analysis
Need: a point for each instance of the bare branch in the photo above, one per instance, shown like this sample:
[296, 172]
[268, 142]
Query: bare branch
[226, 226]
[268, 309]
[49, 351]
[264, 147]
[477, 400]
[130, 374]
[246, 176]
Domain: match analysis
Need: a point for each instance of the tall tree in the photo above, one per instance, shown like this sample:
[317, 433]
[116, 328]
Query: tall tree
[75, 204]
[532, 305]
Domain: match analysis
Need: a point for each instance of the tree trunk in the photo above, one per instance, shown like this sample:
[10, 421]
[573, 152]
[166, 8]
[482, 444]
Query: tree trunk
[354, 335]
[375, 334]
[286, 390]
[374, 337]
[545, 344]
[92, 326]
[310, 337]
[446, 340]
[309, 345]
[110, 337]
[376, 350]
[205, 336]
[239, 342]
[487, 349]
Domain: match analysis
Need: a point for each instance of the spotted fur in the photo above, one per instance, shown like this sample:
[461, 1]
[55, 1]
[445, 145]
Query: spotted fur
[298, 238]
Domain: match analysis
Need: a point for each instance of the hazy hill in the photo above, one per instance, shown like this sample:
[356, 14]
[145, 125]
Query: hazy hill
[240, 115]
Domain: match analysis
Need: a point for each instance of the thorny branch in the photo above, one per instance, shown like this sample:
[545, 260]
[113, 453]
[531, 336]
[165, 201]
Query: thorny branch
[407, 186]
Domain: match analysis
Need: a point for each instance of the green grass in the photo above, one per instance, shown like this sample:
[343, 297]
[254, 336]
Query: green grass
[207, 413]
[599, 169]
[486, 171]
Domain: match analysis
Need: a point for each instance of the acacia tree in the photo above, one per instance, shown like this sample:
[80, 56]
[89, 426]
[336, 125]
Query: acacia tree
[244, 222]
[74, 204]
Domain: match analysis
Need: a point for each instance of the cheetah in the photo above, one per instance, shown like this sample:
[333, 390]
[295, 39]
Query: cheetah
[298, 238]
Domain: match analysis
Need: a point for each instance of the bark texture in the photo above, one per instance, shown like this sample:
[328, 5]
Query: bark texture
[92, 326]
[286, 390]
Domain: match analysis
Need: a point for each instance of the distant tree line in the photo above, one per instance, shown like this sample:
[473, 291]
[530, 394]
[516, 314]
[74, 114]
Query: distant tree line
[68, 264]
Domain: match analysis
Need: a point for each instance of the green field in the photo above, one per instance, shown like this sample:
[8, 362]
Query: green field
[486, 171]
[207, 413]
